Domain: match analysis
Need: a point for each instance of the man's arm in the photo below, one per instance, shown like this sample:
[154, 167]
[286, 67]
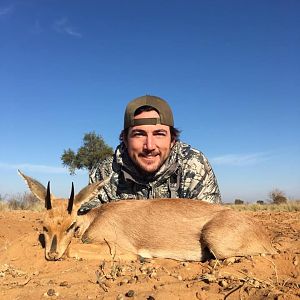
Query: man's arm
[96, 175]
[199, 181]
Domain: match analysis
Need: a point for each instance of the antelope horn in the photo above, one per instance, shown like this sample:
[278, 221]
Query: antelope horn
[71, 200]
[48, 198]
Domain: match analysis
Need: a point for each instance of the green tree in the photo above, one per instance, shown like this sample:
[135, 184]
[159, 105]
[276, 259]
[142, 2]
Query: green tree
[94, 150]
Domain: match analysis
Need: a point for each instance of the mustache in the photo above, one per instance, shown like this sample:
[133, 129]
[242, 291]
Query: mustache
[149, 153]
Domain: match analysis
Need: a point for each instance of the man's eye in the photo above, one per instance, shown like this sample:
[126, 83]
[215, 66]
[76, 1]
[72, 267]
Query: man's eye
[137, 134]
[161, 133]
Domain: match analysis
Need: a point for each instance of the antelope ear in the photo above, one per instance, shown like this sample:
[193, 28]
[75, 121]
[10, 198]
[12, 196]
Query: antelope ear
[35, 187]
[89, 192]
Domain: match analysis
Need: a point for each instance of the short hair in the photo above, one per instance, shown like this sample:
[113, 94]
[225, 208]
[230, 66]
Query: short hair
[175, 133]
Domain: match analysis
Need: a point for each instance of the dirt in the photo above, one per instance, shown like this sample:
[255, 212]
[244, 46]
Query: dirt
[25, 274]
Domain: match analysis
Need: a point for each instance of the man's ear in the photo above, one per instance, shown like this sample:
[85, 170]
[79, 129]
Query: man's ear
[173, 139]
[125, 138]
[173, 143]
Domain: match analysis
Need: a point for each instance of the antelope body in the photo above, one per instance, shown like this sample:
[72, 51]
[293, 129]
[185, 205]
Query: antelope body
[181, 229]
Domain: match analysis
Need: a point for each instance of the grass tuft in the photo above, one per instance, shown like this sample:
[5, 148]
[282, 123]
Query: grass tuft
[290, 206]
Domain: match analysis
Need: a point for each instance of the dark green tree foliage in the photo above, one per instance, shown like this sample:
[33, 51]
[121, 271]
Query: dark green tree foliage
[94, 150]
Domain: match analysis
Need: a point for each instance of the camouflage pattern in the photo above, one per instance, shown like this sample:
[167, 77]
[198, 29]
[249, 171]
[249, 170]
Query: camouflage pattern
[185, 174]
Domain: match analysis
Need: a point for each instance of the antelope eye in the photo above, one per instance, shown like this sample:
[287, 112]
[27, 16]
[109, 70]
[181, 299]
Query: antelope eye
[71, 227]
[45, 229]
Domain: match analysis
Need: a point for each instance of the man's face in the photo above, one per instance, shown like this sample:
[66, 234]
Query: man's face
[149, 145]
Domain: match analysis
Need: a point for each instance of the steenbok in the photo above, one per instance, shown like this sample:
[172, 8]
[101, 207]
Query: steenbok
[181, 229]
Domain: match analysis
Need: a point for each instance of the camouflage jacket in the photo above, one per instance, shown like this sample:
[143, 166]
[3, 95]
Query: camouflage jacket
[185, 174]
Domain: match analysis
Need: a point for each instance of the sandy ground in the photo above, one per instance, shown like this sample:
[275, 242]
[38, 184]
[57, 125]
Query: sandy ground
[25, 274]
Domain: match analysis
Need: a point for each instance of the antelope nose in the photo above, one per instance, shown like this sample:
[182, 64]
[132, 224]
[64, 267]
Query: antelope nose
[52, 255]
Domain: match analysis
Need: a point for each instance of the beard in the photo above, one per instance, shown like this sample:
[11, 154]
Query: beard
[149, 162]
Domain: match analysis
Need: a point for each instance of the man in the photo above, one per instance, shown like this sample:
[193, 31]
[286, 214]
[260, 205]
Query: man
[151, 162]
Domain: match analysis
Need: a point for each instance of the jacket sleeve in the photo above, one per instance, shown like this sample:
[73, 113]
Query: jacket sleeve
[98, 173]
[198, 179]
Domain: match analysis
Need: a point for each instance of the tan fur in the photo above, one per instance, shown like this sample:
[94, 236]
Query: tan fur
[181, 229]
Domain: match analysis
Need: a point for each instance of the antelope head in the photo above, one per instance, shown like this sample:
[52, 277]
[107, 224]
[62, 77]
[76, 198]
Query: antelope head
[60, 215]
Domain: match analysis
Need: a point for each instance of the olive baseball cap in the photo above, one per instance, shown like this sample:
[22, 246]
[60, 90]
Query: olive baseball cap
[163, 108]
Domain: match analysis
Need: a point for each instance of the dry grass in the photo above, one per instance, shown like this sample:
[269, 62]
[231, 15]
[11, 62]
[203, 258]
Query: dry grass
[290, 206]
[3, 206]
[25, 201]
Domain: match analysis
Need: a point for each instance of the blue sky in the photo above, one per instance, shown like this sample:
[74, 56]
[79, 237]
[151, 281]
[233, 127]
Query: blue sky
[229, 69]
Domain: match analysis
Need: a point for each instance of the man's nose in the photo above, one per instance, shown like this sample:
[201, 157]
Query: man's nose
[149, 143]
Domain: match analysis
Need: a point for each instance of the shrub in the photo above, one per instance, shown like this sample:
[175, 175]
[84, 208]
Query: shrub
[238, 202]
[278, 197]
